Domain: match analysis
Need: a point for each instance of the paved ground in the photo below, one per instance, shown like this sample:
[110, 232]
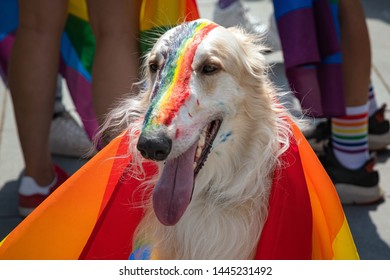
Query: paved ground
[370, 225]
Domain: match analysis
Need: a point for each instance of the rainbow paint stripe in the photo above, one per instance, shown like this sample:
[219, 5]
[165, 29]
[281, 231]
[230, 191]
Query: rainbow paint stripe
[172, 87]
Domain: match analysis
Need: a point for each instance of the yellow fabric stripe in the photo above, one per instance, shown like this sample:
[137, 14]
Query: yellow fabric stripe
[343, 245]
[160, 13]
[2, 241]
[78, 8]
[350, 131]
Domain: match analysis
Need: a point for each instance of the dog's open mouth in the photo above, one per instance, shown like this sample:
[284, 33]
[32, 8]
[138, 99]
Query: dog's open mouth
[172, 193]
[205, 143]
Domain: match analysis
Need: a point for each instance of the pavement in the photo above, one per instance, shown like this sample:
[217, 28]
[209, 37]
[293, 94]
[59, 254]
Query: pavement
[370, 224]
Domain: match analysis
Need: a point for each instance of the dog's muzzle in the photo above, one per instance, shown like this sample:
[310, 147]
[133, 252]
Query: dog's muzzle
[154, 146]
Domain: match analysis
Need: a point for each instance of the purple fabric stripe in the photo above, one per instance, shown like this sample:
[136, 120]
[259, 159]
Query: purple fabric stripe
[328, 41]
[5, 51]
[330, 78]
[80, 90]
[350, 151]
[304, 84]
[298, 38]
[308, 85]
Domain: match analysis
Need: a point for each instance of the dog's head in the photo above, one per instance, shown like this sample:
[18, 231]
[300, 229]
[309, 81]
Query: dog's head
[195, 74]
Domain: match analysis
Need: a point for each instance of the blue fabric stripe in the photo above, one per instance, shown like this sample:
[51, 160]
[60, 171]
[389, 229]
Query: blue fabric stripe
[333, 59]
[335, 13]
[283, 7]
[349, 144]
[8, 16]
[71, 58]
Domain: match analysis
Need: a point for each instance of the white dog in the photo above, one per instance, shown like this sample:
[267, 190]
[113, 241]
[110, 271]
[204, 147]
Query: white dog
[209, 116]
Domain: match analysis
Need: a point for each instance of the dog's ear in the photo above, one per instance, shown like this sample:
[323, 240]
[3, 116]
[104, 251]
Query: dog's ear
[249, 38]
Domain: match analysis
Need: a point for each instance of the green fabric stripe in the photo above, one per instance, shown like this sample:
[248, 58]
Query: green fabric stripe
[82, 38]
[349, 137]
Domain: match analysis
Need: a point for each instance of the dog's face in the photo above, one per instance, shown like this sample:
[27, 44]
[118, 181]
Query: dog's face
[194, 73]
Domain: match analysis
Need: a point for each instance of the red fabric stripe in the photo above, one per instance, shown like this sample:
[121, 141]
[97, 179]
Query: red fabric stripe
[112, 236]
[191, 10]
[287, 233]
[120, 163]
[354, 117]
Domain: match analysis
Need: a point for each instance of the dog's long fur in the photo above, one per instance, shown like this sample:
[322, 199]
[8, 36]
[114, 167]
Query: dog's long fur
[229, 205]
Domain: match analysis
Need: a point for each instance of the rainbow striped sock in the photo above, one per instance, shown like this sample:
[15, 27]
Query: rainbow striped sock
[350, 137]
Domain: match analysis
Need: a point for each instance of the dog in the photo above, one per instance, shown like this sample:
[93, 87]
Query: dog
[209, 116]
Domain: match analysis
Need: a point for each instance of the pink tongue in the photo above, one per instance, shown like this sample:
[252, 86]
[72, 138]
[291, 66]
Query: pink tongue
[173, 191]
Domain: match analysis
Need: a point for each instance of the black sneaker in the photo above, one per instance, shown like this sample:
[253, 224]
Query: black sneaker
[319, 137]
[360, 186]
[378, 130]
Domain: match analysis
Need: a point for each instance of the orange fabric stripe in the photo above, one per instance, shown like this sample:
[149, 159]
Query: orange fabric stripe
[328, 214]
[349, 124]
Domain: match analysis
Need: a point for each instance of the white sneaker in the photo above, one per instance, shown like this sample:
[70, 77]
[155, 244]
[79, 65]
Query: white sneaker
[237, 15]
[31, 194]
[67, 137]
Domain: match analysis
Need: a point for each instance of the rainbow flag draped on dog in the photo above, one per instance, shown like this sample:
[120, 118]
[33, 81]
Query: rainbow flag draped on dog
[93, 215]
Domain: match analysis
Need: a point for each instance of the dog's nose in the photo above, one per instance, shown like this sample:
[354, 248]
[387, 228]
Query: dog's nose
[154, 147]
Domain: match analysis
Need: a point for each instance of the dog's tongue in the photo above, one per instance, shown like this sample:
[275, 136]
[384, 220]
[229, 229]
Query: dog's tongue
[173, 191]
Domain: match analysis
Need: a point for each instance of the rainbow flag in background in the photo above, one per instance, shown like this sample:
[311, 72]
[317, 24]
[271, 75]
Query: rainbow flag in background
[310, 38]
[78, 44]
[93, 215]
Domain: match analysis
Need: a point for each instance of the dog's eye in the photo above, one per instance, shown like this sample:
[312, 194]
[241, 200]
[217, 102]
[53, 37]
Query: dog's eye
[209, 69]
[153, 67]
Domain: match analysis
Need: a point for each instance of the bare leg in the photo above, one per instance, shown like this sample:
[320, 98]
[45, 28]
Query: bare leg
[355, 45]
[116, 62]
[32, 79]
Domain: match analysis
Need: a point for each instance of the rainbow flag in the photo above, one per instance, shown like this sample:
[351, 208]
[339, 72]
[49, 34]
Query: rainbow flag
[78, 44]
[309, 34]
[94, 214]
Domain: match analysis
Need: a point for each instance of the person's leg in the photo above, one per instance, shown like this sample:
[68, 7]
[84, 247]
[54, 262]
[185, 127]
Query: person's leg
[350, 133]
[356, 51]
[116, 62]
[32, 79]
[348, 162]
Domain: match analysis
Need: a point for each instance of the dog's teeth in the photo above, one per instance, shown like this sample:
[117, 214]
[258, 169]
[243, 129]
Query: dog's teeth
[198, 152]
[194, 165]
[202, 140]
